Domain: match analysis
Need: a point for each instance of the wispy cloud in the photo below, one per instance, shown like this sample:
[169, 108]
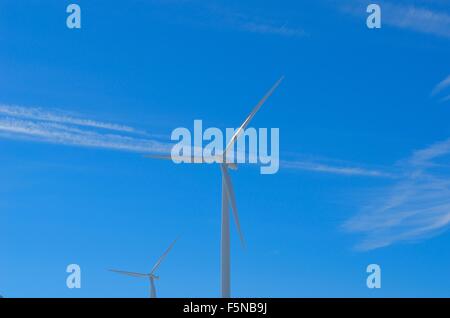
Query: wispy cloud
[42, 125]
[36, 124]
[35, 113]
[343, 169]
[444, 84]
[213, 14]
[441, 87]
[445, 99]
[416, 206]
[418, 19]
[407, 16]
[266, 28]
[249, 23]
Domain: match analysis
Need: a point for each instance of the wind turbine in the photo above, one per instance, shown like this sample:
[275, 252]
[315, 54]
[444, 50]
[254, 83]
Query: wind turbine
[151, 276]
[228, 195]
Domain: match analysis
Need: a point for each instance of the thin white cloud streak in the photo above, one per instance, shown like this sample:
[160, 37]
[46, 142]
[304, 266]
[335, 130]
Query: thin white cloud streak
[418, 19]
[62, 134]
[424, 157]
[271, 29]
[252, 24]
[440, 88]
[445, 99]
[37, 124]
[406, 16]
[334, 169]
[444, 84]
[40, 125]
[35, 113]
[415, 207]
[215, 15]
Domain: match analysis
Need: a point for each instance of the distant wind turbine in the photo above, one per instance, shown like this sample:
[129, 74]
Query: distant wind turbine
[151, 276]
[228, 195]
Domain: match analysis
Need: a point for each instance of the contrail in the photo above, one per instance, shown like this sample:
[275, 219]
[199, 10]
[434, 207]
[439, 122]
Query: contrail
[64, 134]
[57, 127]
[35, 113]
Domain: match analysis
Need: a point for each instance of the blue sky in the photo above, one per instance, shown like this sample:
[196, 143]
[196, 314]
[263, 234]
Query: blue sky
[364, 142]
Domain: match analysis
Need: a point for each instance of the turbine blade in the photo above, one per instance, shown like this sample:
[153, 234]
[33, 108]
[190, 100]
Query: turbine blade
[252, 114]
[232, 200]
[191, 159]
[161, 157]
[155, 267]
[128, 273]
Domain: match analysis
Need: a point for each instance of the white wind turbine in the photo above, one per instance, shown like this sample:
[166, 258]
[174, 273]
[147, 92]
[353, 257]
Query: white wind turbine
[151, 276]
[228, 195]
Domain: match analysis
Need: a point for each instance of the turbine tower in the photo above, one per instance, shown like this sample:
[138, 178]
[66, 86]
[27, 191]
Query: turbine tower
[151, 276]
[228, 195]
